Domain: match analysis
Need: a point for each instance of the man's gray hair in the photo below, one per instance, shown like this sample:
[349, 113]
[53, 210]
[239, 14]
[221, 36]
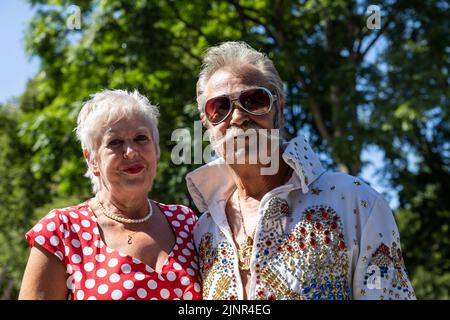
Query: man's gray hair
[235, 54]
[106, 107]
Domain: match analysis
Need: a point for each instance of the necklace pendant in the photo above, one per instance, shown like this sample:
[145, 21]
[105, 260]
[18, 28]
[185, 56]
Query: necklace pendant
[245, 254]
[130, 240]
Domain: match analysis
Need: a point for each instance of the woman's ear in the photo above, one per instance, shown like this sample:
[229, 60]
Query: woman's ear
[91, 162]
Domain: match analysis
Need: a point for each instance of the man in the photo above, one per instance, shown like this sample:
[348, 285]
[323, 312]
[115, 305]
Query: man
[300, 232]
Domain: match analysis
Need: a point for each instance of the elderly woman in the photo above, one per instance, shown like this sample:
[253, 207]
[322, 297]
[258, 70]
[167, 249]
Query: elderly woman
[119, 244]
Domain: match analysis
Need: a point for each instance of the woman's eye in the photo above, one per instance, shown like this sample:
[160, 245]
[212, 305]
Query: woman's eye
[141, 138]
[114, 143]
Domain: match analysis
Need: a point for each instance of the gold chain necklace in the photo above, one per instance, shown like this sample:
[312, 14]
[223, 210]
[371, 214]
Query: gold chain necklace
[246, 247]
[115, 217]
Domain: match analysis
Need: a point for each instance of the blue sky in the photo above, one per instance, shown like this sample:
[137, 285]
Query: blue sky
[16, 68]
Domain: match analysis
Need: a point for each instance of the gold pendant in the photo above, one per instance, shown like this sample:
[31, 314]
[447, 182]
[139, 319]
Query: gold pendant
[245, 254]
[130, 240]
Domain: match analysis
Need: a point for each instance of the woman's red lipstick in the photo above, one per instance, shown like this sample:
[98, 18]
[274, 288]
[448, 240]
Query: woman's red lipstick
[134, 169]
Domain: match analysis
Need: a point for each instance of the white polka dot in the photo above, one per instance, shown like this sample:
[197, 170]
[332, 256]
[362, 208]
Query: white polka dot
[190, 272]
[63, 218]
[126, 268]
[177, 266]
[186, 227]
[95, 231]
[75, 228]
[142, 293]
[87, 251]
[183, 234]
[148, 269]
[122, 254]
[161, 278]
[87, 236]
[152, 284]
[185, 210]
[114, 278]
[185, 281]
[175, 247]
[85, 223]
[179, 240]
[98, 243]
[80, 295]
[76, 258]
[186, 252]
[182, 259]
[172, 208]
[101, 273]
[51, 215]
[194, 265]
[100, 257]
[178, 292]
[197, 287]
[136, 261]
[54, 240]
[40, 240]
[128, 284]
[69, 269]
[103, 288]
[190, 245]
[171, 276]
[69, 283]
[92, 298]
[181, 217]
[113, 262]
[51, 226]
[109, 250]
[131, 298]
[190, 221]
[168, 213]
[73, 215]
[76, 243]
[59, 254]
[164, 293]
[90, 283]
[89, 266]
[187, 296]
[77, 276]
[176, 224]
[139, 276]
[84, 213]
[116, 294]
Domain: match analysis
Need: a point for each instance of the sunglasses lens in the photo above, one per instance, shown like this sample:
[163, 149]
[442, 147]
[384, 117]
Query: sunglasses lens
[216, 109]
[256, 100]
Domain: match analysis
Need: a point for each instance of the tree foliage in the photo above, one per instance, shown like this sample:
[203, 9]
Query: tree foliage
[340, 94]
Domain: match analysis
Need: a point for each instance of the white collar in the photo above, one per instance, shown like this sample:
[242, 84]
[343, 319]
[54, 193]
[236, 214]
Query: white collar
[213, 182]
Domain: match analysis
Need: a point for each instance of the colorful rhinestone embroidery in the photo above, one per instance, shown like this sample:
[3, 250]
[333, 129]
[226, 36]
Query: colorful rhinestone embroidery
[387, 259]
[216, 269]
[313, 254]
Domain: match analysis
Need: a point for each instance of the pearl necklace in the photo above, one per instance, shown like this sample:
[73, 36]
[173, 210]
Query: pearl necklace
[122, 219]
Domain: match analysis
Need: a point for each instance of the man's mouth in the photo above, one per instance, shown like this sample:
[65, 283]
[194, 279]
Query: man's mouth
[134, 169]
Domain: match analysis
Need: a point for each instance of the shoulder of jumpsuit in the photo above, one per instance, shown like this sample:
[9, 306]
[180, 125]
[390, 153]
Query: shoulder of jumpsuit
[351, 197]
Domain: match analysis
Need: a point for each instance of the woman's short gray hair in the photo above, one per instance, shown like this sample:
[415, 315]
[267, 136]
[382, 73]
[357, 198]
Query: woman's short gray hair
[105, 107]
[235, 54]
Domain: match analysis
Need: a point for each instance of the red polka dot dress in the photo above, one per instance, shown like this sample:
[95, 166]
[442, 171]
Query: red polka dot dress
[95, 271]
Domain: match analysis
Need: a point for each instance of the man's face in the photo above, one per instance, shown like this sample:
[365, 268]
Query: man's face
[231, 82]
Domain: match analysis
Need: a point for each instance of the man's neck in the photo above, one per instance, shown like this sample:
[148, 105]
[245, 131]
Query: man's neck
[251, 183]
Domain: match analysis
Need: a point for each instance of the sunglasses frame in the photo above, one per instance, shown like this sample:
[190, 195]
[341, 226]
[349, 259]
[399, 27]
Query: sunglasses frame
[272, 97]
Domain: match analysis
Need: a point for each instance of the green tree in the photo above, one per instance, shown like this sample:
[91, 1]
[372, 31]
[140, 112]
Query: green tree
[341, 95]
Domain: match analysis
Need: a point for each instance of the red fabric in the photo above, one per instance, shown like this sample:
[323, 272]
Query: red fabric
[95, 271]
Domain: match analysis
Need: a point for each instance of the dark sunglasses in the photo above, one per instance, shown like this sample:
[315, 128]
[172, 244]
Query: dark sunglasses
[256, 101]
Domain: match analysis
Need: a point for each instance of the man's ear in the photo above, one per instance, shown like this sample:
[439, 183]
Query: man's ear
[91, 162]
[281, 113]
[204, 120]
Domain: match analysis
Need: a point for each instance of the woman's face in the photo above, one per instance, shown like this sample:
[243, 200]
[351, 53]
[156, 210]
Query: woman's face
[126, 158]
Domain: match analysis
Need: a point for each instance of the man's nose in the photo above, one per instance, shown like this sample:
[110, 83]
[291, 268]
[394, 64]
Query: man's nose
[238, 115]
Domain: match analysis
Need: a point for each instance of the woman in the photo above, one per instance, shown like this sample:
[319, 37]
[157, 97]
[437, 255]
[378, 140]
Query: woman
[119, 244]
